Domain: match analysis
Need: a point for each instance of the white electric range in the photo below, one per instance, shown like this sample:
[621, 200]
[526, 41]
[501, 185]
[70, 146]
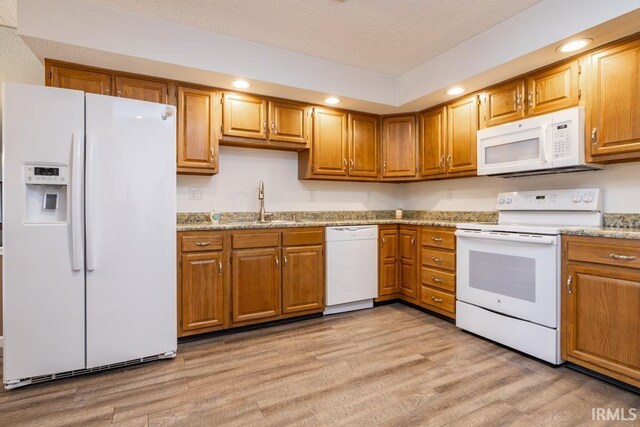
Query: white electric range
[508, 274]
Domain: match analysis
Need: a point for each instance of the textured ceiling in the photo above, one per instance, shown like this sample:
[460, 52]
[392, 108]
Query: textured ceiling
[8, 13]
[389, 37]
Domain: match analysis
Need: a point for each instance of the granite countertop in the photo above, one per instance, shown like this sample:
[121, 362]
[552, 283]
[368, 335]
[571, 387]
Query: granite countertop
[241, 221]
[618, 226]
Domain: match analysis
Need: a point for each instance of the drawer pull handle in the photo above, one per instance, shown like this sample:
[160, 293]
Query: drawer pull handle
[202, 243]
[437, 239]
[436, 299]
[623, 257]
[437, 279]
[438, 260]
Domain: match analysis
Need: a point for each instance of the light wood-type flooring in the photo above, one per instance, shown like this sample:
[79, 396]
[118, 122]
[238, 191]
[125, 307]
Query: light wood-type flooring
[391, 365]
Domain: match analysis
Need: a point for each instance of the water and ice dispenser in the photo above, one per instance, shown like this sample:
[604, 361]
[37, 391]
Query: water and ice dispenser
[46, 194]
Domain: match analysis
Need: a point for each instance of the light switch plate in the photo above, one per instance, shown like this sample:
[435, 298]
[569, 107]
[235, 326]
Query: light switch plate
[195, 193]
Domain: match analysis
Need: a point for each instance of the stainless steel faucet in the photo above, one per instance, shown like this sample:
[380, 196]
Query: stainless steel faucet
[262, 213]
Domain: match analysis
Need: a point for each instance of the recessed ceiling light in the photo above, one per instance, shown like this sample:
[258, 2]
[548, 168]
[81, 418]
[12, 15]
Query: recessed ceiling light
[456, 90]
[241, 84]
[332, 100]
[573, 45]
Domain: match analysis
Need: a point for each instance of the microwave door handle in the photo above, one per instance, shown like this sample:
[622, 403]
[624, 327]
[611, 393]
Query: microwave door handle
[543, 143]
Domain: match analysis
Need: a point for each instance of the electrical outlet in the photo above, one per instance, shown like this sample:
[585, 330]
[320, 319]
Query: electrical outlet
[312, 195]
[369, 196]
[195, 193]
[449, 194]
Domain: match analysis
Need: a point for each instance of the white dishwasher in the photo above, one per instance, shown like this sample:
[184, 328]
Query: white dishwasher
[352, 267]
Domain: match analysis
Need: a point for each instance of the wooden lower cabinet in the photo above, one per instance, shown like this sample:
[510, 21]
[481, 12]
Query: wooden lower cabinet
[302, 278]
[408, 263]
[202, 282]
[255, 284]
[438, 270]
[387, 262]
[601, 307]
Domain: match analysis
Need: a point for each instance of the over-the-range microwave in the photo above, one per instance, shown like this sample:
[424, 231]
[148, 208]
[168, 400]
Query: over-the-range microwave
[550, 143]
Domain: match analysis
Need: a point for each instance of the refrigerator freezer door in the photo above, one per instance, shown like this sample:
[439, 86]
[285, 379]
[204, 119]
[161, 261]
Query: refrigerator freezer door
[43, 277]
[131, 232]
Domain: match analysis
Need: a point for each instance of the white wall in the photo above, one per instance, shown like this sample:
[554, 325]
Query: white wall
[235, 188]
[619, 182]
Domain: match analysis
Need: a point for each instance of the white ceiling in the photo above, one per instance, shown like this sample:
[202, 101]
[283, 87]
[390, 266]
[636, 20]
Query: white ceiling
[8, 13]
[389, 37]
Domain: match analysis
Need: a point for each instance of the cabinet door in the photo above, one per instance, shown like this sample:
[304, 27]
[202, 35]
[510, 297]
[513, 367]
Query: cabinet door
[302, 278]
[601, 320]
[202, 291]
[398, 147]
[363, 146]
[462, 128]
[244, 116]
[255, 284]
[197, 142]
[288, 122]
[553, 89]
[432, 142]
[503, 104]
[388, 266]
[408, 266]
[329, 142]
[613, 103]
[78, 79]
[144, 90]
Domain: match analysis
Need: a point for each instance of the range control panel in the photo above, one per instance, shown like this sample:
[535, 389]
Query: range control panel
[580, 199]
[46, 174]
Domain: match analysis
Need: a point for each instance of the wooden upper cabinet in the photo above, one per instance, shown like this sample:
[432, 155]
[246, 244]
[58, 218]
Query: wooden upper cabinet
[289, 122]
[302, 278]
[504, 103]
[244, 116]
[553, 89]
[399, 147]
[202, 291]
[197, 140]
[255, 284]
[144, 90]
[329, 147]
[363, 146]
[387, 261]
[613, 103]
[462, 128]
[432, 142]
[80, 79]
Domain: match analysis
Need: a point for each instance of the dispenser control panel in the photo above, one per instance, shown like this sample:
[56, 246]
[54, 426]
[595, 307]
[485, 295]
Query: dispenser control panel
[46, 174]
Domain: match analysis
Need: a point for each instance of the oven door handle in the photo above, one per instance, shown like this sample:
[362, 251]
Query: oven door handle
[507, 237]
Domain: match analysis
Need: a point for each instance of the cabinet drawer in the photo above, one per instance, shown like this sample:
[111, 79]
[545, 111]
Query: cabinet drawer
[257, 239]
[439, 279]
[439, 299]
[594, 250]
[305, 236]
[438, 238]
[202, 242]
[439, 259]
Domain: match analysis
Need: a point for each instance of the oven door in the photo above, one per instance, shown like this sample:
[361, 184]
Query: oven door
[510, 273]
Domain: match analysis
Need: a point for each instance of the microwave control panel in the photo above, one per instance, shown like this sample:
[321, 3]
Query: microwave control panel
[561, 139]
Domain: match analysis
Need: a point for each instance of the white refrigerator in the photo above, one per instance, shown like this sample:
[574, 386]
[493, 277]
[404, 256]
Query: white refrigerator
[89, 197]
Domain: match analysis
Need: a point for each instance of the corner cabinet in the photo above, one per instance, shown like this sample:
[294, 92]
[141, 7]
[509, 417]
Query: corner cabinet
[600, 306]
[197, 134]
[399, 148]
[613, 104]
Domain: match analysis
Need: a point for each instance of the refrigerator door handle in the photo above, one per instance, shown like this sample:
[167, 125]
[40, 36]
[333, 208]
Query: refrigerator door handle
[76, 202]
[88, 210]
